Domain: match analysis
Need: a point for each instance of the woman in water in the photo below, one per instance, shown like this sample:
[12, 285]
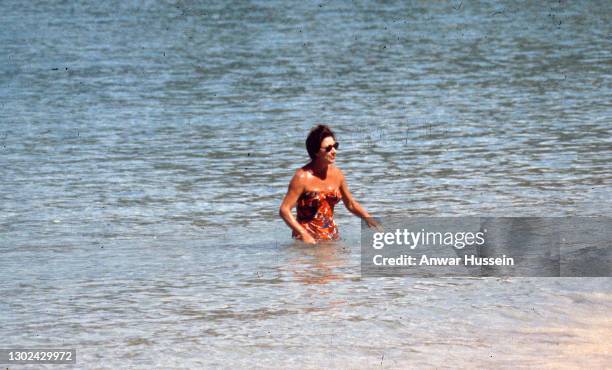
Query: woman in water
[316, 188]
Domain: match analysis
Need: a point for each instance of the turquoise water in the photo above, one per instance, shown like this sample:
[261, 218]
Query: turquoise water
[146, 146]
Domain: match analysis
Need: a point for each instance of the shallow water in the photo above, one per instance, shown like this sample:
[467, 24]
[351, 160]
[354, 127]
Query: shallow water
[146, 147]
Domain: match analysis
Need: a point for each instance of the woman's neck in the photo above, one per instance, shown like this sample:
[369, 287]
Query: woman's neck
[319, 168]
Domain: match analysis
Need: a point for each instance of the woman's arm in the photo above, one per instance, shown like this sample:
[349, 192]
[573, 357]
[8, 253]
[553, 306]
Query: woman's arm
[353, 206]
[296, 187]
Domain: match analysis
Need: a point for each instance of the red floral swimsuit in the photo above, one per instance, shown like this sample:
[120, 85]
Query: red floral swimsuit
[315, 212]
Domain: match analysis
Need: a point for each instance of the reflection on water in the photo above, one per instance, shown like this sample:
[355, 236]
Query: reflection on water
[318, 265]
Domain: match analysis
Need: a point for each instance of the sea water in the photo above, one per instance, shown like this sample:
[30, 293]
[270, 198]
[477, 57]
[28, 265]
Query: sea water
[145, 147]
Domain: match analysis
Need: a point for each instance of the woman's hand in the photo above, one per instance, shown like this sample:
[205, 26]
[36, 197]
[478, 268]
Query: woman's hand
[308, 239]
[373, 224]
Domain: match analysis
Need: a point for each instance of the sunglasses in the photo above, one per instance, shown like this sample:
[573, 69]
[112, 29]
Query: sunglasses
[330, 146]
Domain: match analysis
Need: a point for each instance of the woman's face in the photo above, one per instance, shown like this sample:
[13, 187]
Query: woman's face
[329, 157]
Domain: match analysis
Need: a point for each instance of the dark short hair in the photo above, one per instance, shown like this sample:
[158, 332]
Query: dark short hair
[315, 137]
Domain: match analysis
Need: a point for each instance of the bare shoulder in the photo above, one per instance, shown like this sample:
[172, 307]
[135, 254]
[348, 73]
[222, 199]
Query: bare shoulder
[301, 173]
[300, 176]
[338, 173]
